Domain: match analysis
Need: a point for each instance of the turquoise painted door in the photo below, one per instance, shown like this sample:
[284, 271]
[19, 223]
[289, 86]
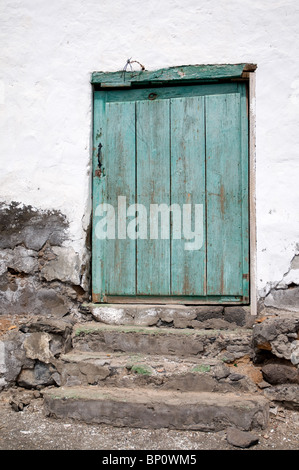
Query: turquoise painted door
[170, 194]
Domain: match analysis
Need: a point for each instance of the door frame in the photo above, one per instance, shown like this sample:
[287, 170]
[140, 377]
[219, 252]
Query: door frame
[196, 75]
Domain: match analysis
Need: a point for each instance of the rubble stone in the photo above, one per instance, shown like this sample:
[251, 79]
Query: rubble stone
[65, 266]
[276, 334]
[287, 394]
[40, 375]
[243, 439]
[280, 374]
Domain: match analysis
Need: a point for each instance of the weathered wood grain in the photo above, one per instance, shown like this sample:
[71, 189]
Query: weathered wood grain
[184, 73]
[188, 267]
[188, 145]
[153, 187]
[224, 195]
[120, 183]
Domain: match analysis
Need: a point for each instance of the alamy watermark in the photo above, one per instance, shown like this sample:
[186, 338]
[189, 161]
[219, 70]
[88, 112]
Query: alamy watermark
[159, 221]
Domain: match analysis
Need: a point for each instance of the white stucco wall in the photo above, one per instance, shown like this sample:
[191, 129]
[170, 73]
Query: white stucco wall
[50, 48]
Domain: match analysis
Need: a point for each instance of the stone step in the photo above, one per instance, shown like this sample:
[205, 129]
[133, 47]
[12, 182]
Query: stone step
[164, 372]
[177, 316]
[226, 345]
[153, 409]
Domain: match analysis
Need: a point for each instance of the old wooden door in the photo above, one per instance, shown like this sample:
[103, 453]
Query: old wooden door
[170, 194]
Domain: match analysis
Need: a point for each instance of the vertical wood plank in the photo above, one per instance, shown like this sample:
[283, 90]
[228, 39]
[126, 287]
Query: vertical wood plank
[114, 259]
[188, 267]
[224, 195]
[99, 196]
[119, 164]
[244, 189]
[153, 187]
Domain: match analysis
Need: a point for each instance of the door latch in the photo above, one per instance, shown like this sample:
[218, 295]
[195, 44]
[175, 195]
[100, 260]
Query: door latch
[100, 155]
[98, 172]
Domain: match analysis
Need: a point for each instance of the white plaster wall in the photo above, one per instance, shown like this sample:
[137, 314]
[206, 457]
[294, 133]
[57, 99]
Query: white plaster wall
[50, 48]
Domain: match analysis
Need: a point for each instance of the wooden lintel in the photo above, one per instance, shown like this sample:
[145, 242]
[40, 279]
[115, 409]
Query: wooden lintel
[184, 73]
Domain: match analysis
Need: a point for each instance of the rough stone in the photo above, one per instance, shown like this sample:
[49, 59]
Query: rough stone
[295, 352]
[212, 324]
[40, 375]
[113, 315]
[283, 298]
[25, 225]
[276, 374]
[205, 312]
[86, 372]
[48, 325]
[37, 346]
[241, 316]
[26, 295]
[152, 341]
[19, 260]
[138, 370]
[141, 315]
[37, 274]
[226, 345]
[277, 334]
[156, 409]
[59, 331]
[221, 371]
[45, 346]
[21, 399]
[147, 317]
[180, 316]
[191, 382]
[291, 278]
[286, 394]
[235, 377]
[182, 323]
[171, 314]
[263, 384]
[12, 358]
[243, 439]
[240, 347]
[65, 266]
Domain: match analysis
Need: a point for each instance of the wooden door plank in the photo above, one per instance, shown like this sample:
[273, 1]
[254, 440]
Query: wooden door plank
[245, 188]
[153, 188]
[99, 196]
[224, 195]
[188, 266]
[142, 94]
[120, 176]
[117, 252]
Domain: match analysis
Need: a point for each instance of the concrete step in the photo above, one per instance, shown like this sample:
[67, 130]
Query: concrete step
[144, 408]
[226, 345]
[164, 372]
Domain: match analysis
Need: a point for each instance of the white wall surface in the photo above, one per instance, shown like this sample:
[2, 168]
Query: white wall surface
[49, 49]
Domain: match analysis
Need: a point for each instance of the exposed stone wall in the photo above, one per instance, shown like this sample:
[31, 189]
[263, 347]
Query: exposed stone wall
[276, 348]
[39, 273]
[28, 355]
[284, 294]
